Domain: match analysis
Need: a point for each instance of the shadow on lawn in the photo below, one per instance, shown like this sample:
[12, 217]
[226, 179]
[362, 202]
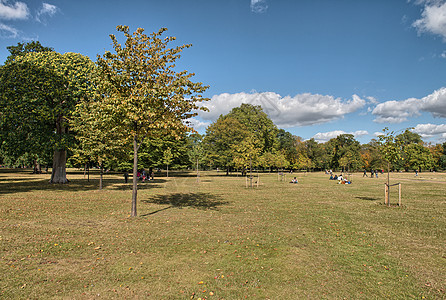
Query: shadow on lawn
[22, 185]
[195, 200]
[367, 198]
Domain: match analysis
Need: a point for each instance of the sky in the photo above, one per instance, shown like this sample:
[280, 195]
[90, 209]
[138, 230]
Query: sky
[318, 68]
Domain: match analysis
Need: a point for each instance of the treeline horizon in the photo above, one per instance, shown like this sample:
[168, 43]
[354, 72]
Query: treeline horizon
[38, 121]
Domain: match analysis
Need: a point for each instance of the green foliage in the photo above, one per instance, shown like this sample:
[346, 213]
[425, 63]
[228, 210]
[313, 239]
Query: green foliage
[139, 94]
[287, 144]
[167, 156]
[39, 89]
[257, 122]
[195, 150]
[246, 153]
[418, 157]
[23, 48]
[221, 139]
[344, 152]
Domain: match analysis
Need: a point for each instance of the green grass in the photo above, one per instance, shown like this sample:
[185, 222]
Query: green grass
[219, 240]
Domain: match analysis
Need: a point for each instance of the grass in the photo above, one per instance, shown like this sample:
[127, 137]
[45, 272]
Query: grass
[219, 240]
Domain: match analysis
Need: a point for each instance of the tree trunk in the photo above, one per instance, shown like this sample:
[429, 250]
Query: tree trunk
[167, 170]
[198, 175]
[135, 179]
[59, 173]
[386, 200]
[101, 175]
[37, 168]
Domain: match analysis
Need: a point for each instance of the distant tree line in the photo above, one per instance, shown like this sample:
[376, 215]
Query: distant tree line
[50, 118]
[246, 137]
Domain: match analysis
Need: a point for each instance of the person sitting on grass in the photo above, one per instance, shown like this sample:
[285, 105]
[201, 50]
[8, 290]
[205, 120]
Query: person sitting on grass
[331, 177]
[294, 180]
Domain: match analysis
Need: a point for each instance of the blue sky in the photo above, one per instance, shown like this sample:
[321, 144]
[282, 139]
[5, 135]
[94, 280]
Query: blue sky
[318, 67]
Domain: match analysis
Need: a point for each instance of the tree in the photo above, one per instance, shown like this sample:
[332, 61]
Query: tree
[38, 93]
[390, 147]
[195, 151]
[96, 142]
[221, 138]
[167, 158]
[142, 94]
[258, 123]
[24, 48]
[267, 160]
[339, 147]
[246, 153]
[418, 157]
[287, 143]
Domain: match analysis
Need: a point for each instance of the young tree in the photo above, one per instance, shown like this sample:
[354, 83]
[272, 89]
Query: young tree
[390, 147]
[143, 95]
[195, 151]
[246, 153]
[167, 158]
[96, 142]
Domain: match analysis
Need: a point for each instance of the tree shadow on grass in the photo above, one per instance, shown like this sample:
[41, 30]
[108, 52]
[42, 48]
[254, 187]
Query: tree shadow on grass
[30, 184]
[180, 200]
[367, 198]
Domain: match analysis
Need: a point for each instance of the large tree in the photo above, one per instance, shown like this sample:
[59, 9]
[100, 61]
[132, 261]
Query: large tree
[141, 93]
[221, 140]
[21, 49]
[344, 151]
[258, 123]
[38, 93]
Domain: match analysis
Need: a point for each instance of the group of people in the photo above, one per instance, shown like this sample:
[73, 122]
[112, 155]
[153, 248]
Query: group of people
[340, 178]
[372, 173]
[141, 175]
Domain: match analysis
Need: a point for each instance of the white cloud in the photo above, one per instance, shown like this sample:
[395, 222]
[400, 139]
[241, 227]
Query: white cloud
[46, 10]
[372, 100]
[433, 18]
[259, 6]
[435, 103]
[15, 11]
[400, 111]
[322, 137]
[300, 110]
[8, 31]
[430, 130]
[397, 111]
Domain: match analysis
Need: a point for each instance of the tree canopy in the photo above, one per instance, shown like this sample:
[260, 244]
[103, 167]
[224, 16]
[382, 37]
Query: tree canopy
[140, 95]
[38, 94]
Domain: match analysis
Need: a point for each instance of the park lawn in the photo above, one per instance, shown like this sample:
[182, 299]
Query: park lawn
[217, 239]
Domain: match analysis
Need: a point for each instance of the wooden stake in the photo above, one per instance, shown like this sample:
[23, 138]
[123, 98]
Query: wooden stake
[399, 194]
